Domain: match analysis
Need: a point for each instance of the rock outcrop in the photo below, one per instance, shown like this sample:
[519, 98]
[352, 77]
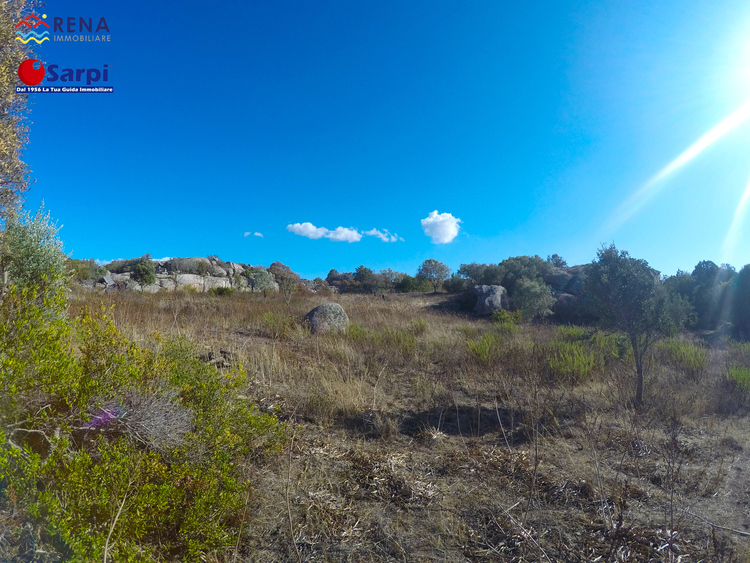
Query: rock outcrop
[328, 317]
[194, 273]
[490, 298]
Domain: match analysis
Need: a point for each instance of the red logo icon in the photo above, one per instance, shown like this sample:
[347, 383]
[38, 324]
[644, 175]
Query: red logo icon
[32, 22]
[28, 74]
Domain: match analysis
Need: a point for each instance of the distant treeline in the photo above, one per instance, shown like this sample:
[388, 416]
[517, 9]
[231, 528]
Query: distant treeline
[719, 296]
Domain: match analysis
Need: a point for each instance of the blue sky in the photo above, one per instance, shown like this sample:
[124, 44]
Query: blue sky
[532, 123]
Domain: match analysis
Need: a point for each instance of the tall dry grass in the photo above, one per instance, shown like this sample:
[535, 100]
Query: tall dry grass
[497, 442]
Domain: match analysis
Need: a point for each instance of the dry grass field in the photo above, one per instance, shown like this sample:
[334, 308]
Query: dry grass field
[423, 434]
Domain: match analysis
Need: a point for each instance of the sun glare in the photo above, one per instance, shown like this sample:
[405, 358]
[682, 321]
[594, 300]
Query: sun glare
[658, 182]
[735, 229]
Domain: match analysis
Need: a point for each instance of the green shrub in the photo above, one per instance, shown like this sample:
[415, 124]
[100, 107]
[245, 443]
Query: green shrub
[142, 269]
[687, 357]
[533, 298]
[85, 269]
[418, 327]
[276, 325]
[740, 375]
[486, 350]
[573, 360]
[504, 317]
[356, 332]
[611, 346]
[31, 250]
[110, 436]
[507, 321]
[572, 333]
[406, 342]
[221, 291]
[470, 332]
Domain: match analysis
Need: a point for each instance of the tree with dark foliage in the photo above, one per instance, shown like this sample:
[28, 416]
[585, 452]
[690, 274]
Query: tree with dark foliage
[629, 297]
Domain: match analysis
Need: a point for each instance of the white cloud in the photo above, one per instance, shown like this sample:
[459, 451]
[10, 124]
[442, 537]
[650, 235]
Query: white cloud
[441, 228]
[344, 234]
[307, 230]
[248, 233]
[385, 236]
[258, 235]
[311, 231]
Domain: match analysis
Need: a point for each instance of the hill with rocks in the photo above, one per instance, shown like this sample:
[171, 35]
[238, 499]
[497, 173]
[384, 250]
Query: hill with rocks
[201, 274]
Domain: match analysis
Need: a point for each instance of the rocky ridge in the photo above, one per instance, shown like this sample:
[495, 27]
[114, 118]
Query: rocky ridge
[197, 274]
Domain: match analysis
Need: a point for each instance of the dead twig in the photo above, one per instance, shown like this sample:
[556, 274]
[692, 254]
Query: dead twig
[114, 522]
[716, 526]
[286, 493]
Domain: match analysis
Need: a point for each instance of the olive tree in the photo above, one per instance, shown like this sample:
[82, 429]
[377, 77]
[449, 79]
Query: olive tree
[14, 173]
[434, 272]
[262, 280]
[629, 296]
[31, 251]
[533, 298]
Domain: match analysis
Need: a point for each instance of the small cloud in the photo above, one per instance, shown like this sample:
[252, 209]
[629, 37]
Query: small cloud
[248, 233]
[165, 259]
[344, 234]
[441, 228]
[385, 236]
[311, 231]
[258, 235]
[307, 230]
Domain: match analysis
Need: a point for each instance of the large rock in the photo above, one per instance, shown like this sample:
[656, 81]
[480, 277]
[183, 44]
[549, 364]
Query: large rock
[152, 288]
[217, 271]
[211, 282]
[567, 280]
[189, 280]
[236, 268]
[328, 317]
[132, 285]
[166, 283]
[490, 298]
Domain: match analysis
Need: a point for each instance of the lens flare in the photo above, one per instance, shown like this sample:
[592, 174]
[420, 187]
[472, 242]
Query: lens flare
[735, 229]
[656, 184]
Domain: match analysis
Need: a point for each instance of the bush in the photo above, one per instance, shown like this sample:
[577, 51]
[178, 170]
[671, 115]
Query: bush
[686, 357]
[418, 326]
[221, 291]
[572, 360]
[455, 284]
[533, 298]
[504, 317]
[142, 269]
[576, 353]
[32, 250]
[276, 325]
[486, 349]
[740, 375]
[85, 269]
[111, 436]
